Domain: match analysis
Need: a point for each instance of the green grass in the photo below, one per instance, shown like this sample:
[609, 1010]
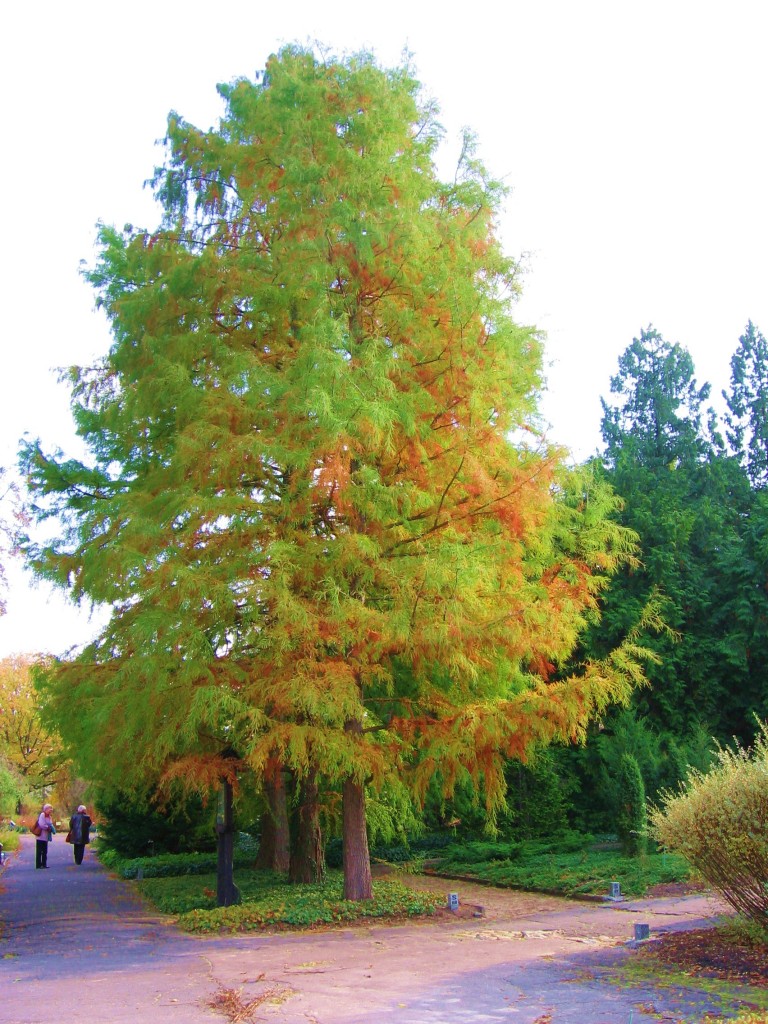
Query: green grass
[268, 901]
[542, 868]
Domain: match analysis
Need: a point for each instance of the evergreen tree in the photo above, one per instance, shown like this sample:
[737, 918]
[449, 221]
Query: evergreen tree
[690, 505]
[303, 504]
[658, 417]
[631, 820]
[747, 400]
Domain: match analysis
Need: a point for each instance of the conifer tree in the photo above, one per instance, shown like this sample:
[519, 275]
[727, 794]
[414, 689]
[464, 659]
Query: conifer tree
[747, 400]
[317, 499]
[699, 530]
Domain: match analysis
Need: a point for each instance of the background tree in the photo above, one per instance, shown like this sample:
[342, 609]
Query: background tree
[317, 500]
[747, 400]
[30, 748]
[12, 518]
[690, 505]
[631, 821]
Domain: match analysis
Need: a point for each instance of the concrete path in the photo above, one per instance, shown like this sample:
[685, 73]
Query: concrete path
[77, 943]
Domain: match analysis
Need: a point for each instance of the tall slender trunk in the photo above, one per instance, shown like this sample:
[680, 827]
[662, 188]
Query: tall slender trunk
[274, 847]
[358, 884]
[307, 855]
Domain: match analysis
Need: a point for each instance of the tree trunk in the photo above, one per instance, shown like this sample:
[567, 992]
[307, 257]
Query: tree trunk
[274, 846]
[307, 856]
[357, 862]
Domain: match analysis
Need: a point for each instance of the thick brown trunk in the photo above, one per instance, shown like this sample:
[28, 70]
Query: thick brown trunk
[274, 846]
[357, 861]
[307, 857]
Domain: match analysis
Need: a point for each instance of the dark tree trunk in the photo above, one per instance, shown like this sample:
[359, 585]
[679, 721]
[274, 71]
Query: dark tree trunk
[357, 862]
[227, 892]
[307, 856]
[274, 846]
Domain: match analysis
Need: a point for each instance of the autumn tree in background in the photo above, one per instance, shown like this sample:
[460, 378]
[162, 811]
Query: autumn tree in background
[29, 748]
[317, 499]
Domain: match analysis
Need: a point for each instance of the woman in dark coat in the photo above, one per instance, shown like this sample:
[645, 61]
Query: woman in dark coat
[79, 830]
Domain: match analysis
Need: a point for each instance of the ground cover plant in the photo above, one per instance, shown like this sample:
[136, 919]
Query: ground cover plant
[270, 901]
[165, 865]
[570, 867]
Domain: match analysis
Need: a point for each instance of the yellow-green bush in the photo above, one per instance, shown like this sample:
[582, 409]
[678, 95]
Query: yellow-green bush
[718, 821]
[10, 840]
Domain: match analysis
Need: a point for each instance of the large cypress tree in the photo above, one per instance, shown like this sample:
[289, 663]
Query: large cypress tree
[316, 499]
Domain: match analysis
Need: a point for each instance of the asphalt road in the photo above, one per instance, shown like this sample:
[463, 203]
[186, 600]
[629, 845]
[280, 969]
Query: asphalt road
[77, 943]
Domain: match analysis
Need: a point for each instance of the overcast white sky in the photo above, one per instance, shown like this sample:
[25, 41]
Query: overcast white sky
[634, 138]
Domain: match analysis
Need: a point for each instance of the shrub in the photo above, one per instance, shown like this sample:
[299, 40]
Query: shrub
[9, 840]
[537, 798]
[718, 821]
[132, 825]
[168, 865]
[479, 853]
[631, 821]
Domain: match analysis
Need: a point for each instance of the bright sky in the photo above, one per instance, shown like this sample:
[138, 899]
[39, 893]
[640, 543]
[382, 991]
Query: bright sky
[633, 137]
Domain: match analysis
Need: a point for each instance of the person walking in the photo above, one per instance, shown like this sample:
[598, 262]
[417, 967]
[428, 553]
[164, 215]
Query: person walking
[79, 832]
[45, 824]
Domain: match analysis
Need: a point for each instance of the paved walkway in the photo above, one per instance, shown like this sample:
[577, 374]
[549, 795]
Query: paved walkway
[77, 943]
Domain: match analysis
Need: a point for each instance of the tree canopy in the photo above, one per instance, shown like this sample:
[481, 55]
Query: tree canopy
[317, 499]
[747, 400]
[700, 527]
[30, 749]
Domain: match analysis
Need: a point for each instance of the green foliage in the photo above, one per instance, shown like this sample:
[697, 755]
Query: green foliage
[747, 400]
[29, 749]
[701, 538]
[316, 492]
[550, 867]
[11, 789]
[269, 902]
[9, 839]
[537, 798]
[168, 865]
[631, 822]
[133, 826]
[718, 821]
[657, 418]
[479, 853]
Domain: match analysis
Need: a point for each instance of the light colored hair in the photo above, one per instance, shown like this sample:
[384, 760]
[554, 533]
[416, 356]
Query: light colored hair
[81, 808]
[47, 807]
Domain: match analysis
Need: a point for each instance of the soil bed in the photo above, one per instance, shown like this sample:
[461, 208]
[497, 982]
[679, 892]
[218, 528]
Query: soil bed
[711, 953]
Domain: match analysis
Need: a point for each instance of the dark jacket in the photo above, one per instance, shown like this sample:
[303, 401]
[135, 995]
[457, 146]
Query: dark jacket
[79, 826]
